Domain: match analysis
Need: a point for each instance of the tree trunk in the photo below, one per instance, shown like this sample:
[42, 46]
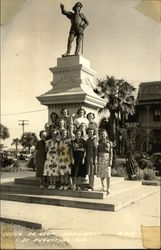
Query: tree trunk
[29, 148]
[16, 149]
[113, 136]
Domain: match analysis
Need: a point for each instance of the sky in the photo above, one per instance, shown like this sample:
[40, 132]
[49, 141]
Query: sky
[119, 41]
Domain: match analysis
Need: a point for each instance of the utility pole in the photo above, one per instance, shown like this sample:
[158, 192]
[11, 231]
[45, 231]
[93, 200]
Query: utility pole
[23, 124]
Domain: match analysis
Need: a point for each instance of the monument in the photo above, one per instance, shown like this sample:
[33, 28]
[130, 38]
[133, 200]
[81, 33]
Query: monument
[73, 79]
[78, 24]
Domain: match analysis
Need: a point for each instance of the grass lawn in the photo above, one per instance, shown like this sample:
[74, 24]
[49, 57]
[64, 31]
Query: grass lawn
[20, 174]
[21, 171]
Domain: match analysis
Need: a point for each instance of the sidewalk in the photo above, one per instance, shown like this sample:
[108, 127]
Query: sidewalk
[88, 228]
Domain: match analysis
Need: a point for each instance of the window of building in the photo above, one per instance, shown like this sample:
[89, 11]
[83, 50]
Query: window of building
[157, 115]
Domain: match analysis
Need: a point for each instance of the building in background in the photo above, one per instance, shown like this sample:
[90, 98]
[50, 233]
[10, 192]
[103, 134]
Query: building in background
[148, 114]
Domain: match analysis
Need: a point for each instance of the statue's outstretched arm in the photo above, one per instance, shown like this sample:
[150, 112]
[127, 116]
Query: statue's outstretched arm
[65, 12]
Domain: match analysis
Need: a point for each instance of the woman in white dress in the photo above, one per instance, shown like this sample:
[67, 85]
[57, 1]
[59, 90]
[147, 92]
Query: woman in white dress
[51, 167]
[81, 118]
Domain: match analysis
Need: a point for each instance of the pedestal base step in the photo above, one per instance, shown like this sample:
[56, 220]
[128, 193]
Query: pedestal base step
[34, 182]
[116, 188]
[110, 203]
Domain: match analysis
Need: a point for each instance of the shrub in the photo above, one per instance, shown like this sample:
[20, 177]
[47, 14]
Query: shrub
[119, 171]
[149, 174]
[114, 172]
[140, 174]
[138, 156]
[145, 174]
[145, 163]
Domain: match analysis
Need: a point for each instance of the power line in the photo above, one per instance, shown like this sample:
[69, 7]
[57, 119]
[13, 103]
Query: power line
[14, 128]
[23, 124]
[26, 112]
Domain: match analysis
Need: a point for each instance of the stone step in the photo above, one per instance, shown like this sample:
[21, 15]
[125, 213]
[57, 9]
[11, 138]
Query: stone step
[34, 182]
[116, 188]
[30, 189]
[110, 203]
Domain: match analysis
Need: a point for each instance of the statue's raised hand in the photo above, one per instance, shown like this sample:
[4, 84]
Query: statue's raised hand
[62, 6]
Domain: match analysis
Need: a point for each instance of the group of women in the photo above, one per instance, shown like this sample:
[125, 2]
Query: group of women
[70, 149]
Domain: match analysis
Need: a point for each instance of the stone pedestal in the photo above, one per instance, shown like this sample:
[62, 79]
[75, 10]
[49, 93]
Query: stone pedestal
[72, 87]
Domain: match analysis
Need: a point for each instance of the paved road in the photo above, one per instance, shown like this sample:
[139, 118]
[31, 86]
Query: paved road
[92, 229]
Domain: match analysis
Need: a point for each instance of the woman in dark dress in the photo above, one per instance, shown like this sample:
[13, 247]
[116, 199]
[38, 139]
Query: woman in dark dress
[78, 146]
[40, 156]
[91, 154]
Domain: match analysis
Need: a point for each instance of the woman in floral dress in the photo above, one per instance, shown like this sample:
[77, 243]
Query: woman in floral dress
[51, 167]
[65, 159]
[104, 158]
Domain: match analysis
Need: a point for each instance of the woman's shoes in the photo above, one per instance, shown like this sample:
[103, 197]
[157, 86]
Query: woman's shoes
[65, 187]
[103, 189]
[90, 188]
[41, 186]
[108, 191]
[53, 186]
[61, 187]
[50, 187]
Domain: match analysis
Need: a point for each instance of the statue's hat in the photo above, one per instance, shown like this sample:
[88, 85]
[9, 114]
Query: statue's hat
[77, 4]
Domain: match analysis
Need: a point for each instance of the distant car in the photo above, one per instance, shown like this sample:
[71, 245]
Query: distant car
[156, 159]
[24, 156]
[6, 161]
[143, 160]
[21, 157]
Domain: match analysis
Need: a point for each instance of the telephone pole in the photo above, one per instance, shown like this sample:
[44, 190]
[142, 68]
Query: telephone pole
[23, 124]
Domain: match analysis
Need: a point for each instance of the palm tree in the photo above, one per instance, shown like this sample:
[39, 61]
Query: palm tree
[119, 96]
[28, 139]
[15, 142]
[4, 133]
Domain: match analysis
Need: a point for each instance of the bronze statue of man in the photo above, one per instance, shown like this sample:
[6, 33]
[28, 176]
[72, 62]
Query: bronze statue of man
[78, 24]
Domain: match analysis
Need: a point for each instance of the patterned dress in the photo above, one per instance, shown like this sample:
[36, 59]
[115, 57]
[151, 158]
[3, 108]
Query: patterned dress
[78, 169]
[104, 159]
[91, 148]
[65, 158]
[51, 167]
